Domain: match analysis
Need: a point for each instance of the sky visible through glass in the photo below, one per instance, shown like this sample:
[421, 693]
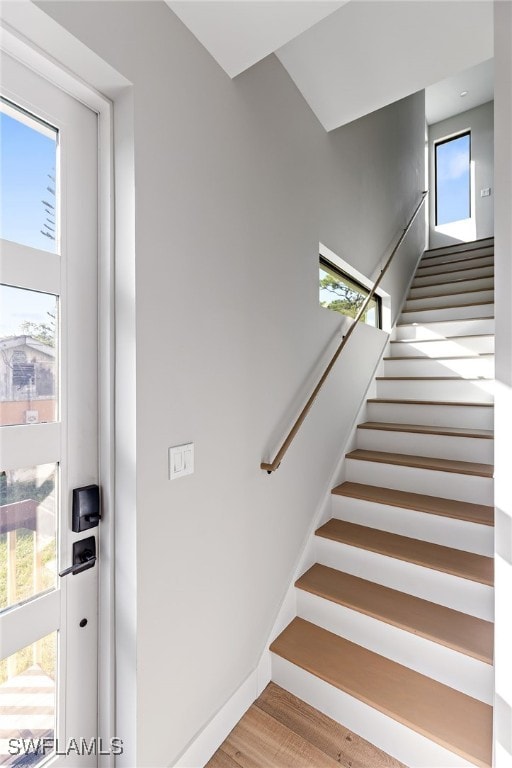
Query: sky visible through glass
[18, 306]
[28, 163]
[28, 160]
[453, 180]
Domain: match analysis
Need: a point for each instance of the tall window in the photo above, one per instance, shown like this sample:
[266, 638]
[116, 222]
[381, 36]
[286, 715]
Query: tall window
[453, 179]
[346, 295]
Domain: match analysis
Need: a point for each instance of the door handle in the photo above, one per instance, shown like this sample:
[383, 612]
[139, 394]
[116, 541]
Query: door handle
[84, 556]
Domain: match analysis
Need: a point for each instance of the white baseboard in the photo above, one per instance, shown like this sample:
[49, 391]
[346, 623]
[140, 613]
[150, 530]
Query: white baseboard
[213, 734]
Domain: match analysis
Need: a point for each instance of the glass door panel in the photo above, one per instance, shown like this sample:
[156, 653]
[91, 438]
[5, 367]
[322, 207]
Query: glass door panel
[28, 356]
[28, 704]
[28, 533]
[28, 212]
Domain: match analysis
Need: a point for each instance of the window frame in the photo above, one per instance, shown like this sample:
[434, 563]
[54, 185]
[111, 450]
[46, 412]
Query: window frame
[325, 263]
[437, 144]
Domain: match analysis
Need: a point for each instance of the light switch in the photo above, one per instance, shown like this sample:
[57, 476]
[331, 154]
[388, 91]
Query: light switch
[485, 192]
[178, 461]
[181, 460]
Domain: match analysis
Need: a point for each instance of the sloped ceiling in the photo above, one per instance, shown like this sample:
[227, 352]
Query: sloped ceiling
[346, 58]
[368, 54]
[239, 33]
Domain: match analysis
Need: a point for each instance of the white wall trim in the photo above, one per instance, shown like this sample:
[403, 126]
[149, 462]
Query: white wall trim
[213, 734]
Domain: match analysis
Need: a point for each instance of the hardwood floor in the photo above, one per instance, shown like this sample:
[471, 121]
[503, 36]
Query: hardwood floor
[281, 731]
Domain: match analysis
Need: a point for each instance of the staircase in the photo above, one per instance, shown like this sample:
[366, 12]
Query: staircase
[393, 636]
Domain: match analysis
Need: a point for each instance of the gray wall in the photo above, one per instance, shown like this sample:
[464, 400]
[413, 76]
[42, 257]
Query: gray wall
[481, 123]
[236, 183]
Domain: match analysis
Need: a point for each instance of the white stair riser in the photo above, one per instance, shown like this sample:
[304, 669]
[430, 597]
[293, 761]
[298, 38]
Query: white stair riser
[448, 300]
[464, 390]
[448, 313]
[448, 485]
[443, 329]
[473, 368]
[462, 345]
[449, 532]
[387, 734]
[418, 444]
[438, 587]
[448, 268]
[467, 416]
[482, 283]
[448, 258]
[453, 276]
[447, 666]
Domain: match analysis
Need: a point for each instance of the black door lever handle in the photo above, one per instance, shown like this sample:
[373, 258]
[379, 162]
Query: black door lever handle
[84, 556]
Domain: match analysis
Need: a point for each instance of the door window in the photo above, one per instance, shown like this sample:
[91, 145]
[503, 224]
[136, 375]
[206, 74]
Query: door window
[29, 363]
[28, 179]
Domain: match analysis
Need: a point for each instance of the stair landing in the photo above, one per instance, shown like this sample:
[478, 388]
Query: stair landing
[281, 731]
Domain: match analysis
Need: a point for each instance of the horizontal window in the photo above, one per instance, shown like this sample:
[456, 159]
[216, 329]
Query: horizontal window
[342, 293]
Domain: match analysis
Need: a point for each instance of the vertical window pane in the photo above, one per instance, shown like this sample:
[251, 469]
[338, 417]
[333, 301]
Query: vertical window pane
[453, 180]
[27, 704]
[28, 356]
[28, 533]
[28, 212]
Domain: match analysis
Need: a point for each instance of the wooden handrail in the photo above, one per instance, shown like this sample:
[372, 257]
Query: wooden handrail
[273, 465]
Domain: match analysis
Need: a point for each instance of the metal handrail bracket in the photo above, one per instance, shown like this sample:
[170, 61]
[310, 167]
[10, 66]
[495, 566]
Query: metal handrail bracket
[275, 463]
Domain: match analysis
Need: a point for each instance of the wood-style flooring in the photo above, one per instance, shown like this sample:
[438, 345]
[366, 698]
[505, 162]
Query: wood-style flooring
[281, 731]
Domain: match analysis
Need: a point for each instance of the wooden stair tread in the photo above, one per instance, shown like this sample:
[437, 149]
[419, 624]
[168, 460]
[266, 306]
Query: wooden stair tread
[455, 562]
[459, 269]
[433, 505]
[453, 629]
[464, 260]
[450, 306]
[450, 718]
[401, 401]
[475, 356]
[427, 429]
[455, 377]
[446, 320]
[457, 249]
[445, 260]
[446, 338]
[442, 295]
[423, 462]
[454, 280]
[332, 738]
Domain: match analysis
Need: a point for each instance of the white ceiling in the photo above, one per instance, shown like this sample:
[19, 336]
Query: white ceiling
[239, 33]
[369, 54]
[443, 99]
[347, 58]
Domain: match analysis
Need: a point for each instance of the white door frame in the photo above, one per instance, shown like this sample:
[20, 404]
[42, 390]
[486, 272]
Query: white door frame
[35, 58]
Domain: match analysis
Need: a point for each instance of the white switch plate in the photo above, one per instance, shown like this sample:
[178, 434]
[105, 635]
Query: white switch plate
[485, 192]
[181, 460]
